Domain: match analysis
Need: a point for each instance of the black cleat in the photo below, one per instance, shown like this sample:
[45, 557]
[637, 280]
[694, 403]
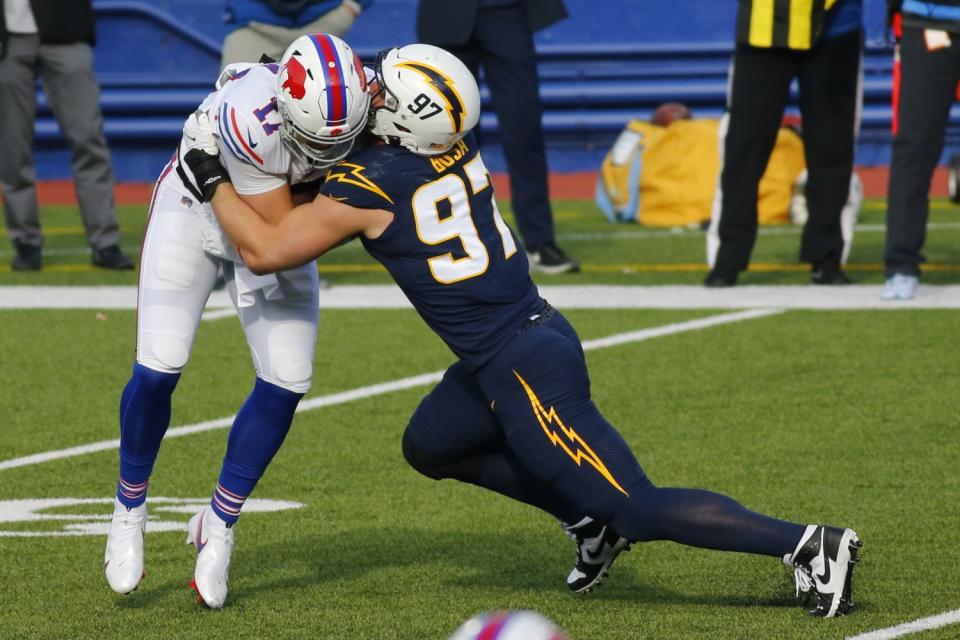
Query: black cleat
[551, 259]
[111, 258]
[824, 561]
[828, 273]
[597, 547]
[28, 258]
[718, 280]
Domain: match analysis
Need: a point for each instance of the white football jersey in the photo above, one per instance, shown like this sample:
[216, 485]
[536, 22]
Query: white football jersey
[244, 116]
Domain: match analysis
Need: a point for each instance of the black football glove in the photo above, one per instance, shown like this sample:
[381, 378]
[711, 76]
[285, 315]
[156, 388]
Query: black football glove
[207, 171]
[202, 154]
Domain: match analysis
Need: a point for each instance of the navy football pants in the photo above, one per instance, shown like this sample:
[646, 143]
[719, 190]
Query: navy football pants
[524, 425]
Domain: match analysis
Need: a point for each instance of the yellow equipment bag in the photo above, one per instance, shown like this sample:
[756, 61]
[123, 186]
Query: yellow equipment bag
[667, 176]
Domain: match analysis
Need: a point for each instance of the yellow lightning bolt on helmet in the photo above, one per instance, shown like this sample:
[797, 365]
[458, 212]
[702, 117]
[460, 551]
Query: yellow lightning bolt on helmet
[428, 99]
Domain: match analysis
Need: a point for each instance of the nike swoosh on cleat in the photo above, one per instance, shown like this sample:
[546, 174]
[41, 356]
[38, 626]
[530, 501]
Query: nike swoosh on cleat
[200, 544]
[596, 555]
[825, 576]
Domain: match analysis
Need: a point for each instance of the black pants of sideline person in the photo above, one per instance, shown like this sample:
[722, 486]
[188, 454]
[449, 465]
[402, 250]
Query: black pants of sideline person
[502, 44]
[828, 78]
[928, 81]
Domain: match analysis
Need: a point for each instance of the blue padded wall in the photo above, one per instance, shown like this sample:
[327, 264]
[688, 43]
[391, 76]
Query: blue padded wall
[611, 61]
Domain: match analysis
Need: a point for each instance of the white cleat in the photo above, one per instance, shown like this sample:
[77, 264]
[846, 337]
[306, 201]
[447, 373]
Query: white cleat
[214, 542]
[123, 559]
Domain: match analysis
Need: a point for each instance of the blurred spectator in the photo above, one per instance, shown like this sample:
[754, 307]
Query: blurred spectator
[776, 42]
[929, 50]
[53, 38]
[498, 34]
[269, 26]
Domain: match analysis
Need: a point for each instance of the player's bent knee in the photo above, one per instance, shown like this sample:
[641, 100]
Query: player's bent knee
[288, 357]
[166, 337]
[422, 460]
[291, 375]
[169, 354]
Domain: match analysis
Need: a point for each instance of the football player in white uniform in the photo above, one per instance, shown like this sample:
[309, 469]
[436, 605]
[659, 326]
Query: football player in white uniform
[278, 124]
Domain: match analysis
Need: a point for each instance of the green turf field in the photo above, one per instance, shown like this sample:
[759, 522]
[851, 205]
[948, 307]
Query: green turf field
[620, 254]
[845, 417]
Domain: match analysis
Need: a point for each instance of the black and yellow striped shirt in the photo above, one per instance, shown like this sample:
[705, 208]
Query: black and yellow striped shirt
[784, 24]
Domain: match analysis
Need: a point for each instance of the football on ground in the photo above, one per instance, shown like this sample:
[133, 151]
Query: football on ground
[509, 625]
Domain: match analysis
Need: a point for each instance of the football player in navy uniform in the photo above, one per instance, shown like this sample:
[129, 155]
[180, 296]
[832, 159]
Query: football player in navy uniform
[514, 413]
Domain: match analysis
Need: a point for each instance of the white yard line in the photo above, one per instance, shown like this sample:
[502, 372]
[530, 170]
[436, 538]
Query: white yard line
[915, 626]
[360, 393]
[563, 297]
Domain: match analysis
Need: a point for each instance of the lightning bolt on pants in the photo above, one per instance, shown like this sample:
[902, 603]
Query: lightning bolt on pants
[545, 443]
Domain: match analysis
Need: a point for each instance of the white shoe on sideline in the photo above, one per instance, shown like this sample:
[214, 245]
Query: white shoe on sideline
[123, 558]
[900, 286]
[213, 540]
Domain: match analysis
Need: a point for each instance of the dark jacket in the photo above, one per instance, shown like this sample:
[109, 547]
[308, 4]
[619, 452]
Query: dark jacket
[450, 22]
[58, 22]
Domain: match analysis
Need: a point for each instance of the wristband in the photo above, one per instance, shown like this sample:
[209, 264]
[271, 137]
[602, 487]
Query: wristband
[207, 171]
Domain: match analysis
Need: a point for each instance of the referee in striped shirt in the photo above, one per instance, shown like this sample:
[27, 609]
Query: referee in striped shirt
[820, 43]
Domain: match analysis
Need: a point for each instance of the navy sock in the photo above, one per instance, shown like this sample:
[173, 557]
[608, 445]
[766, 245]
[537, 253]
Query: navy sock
[144, 418]
[255, 437]
[703, 519]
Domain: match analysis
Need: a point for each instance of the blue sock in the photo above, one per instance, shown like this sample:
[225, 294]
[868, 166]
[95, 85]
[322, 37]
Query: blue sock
[144, 418]
[255, 437]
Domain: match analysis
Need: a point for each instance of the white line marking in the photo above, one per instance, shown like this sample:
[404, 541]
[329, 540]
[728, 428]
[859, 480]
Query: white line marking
[679, 327]
[907, 628]
[216, 314]
[370, 391]
[564, 297]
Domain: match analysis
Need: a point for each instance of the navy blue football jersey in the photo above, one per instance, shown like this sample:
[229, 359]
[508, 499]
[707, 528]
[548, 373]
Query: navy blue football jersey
[448, 247]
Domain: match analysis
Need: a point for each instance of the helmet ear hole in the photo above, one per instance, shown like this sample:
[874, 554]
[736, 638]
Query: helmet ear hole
[432, 85]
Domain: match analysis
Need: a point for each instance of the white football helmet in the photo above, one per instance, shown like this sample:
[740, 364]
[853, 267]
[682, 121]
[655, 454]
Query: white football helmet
[322, 98]
[430, 99]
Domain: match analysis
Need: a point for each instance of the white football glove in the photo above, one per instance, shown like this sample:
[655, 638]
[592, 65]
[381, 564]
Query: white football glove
[198, 133]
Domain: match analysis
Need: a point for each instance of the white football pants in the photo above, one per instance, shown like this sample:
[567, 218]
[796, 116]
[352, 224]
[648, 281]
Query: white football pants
[176, 278]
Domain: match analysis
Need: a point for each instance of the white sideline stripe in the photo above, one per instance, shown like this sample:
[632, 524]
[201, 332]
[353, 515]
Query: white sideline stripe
[915, 626]
[388, 387]
[216, 314]
[562, 296]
